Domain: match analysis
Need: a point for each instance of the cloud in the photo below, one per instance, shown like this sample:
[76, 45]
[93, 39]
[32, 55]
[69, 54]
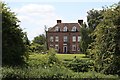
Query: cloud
[33, 17]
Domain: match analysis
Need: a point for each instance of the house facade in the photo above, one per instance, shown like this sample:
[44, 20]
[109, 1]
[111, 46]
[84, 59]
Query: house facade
[64, 37]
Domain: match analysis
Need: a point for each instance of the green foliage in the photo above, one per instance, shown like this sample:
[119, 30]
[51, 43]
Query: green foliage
[78, 65]
[40, 39]
[85, 38]
[54, 72]
[94, 17]
[13, 47]
[38, 45]
[38, 68]
[37, 48]
[105, 48]
[51, 57]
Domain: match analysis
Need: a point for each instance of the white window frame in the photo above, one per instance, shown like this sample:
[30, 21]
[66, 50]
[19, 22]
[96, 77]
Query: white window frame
[56, 38]
[79, 38]
[78, 48]
[65, 29]
[56, 28]
[65, 38]
[74, 47]
[51, 38]
[74, 28]
[57, 47]
[51, 45]
[74, 38]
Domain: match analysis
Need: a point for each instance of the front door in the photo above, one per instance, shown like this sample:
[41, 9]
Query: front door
[65, 49]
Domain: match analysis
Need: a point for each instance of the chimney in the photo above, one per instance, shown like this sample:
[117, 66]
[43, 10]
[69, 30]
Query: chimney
[59, 21]
[80, 22]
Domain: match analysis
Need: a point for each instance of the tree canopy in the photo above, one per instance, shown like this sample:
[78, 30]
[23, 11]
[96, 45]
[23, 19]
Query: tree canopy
[13, 47]
[106, 46]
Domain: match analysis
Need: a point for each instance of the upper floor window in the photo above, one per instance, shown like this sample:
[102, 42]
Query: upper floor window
[56, 38]
[74, 38]
[65, 39]
[79, 38]
[65, 28]
[51, 38]
[74, 28]
[56, 28]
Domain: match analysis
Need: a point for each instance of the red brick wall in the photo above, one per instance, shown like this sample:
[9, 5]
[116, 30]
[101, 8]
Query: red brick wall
[60, 42]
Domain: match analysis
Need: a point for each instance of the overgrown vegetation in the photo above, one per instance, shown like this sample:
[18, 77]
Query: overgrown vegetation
[13, 47]
[104, 34]
[40, 68]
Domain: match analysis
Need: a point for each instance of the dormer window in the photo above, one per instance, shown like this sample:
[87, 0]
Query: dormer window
[56, 28]
[65, 28]
[74, 28]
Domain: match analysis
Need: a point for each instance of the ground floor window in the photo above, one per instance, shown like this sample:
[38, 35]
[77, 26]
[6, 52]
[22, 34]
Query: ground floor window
[73, 47]
[78, 48]
[56, 47]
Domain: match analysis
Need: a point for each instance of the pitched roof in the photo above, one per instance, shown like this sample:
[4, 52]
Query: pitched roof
[68, 25]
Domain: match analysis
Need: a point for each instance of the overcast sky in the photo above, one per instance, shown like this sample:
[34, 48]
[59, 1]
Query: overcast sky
[34, 14]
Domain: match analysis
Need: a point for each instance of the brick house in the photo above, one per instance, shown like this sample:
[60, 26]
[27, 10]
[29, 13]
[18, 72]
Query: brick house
[64, 37]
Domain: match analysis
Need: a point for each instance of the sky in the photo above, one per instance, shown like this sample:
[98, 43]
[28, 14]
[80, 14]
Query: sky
[35, 14]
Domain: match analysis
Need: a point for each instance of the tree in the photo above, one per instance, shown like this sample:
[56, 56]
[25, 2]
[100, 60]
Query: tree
[38, 44]
[85, 39]
[106, 46]
[13, 47]
[94, 17]
[39, 39]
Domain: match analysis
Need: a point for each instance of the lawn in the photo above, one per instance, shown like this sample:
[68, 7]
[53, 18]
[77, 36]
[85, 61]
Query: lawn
[61, 57]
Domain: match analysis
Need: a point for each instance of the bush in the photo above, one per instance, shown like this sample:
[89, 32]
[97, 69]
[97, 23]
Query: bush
[51, 57]
[54, 72]
[78, 65]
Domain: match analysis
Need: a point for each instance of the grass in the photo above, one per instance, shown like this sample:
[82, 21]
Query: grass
[70, 56]
[61, 57]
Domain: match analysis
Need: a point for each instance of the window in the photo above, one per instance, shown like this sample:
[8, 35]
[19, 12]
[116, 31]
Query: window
[56, 28]
[51, 38]
[79, 38]
[78, 48]
[73, 47]
[65, 39]
[56, 38]
[56, 47]
[65, 28]
[74, 38]
[51, 45]
[74, 28]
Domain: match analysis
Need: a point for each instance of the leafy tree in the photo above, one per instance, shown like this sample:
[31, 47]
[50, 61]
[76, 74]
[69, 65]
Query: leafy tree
[40, 39]
[94, 17]
[38, 44]
[105, 48]
[85, 39]
[13, 47]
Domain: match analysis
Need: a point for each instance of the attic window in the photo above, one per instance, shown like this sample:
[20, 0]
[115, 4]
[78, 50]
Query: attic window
[65, 28]
[56, 28]
[74, 28]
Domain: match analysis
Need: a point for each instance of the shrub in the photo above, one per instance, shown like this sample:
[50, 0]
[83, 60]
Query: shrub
[78, 65]
[54, 72]
[51, 57]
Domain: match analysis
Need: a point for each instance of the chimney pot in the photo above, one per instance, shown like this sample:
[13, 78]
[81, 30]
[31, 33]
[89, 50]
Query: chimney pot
[59, 21]
[80, 22]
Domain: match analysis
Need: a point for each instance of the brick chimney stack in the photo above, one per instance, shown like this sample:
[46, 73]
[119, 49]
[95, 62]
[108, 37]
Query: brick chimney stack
[80, 22]
[59, 21]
